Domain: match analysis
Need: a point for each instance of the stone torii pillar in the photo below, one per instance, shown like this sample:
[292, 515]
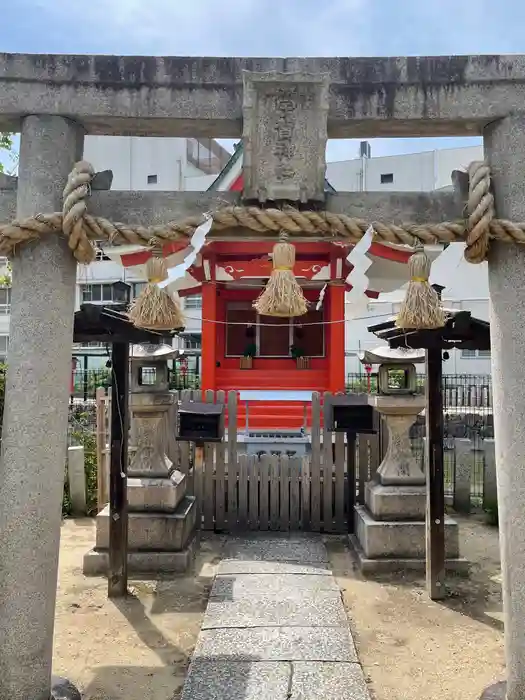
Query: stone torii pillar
[505, 145]
[35, 418]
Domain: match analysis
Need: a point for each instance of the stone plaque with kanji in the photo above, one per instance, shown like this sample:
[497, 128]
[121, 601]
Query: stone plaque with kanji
[284, 136]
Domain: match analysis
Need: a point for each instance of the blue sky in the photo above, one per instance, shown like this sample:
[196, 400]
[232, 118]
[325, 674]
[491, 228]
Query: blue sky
[270, 28]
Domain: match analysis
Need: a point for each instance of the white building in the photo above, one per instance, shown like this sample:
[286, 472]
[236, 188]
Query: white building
[138, 163]
[191, 164]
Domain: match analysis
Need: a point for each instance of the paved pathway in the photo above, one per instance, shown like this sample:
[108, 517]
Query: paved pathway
[275, 627]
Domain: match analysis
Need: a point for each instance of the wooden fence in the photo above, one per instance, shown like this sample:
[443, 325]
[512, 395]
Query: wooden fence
[236, 491]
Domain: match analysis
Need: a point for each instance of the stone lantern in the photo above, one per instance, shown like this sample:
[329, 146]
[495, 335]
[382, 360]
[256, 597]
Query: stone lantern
[161, 515]
[390, 527]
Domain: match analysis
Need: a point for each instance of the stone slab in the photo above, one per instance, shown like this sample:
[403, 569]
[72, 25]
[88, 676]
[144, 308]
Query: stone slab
[161, 532]
[156, 494]
[240, 585]
[96, 562]
[328, 681]
[304, 550]
[203, 96]
[399, 539]
[221, 679]
[243, 680]
[459, 565]
[320, 609]
[277, 644]
[229, 567]
[396, 502]
[284, 135]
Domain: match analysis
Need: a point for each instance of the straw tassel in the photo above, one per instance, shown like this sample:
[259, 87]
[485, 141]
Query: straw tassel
[155, 308]
[282, 295]
[421, 307]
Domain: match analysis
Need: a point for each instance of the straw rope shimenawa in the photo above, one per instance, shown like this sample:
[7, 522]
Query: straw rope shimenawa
[82, 229]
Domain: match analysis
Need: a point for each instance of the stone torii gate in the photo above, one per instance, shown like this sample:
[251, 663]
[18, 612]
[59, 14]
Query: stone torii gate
[53, 101]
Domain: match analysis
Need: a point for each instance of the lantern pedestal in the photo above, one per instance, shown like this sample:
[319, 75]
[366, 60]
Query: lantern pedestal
[161, 516]
[390, 528]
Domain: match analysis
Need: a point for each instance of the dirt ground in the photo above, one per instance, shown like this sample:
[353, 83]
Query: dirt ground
[414, 649]
[132, 649]
[410, 648]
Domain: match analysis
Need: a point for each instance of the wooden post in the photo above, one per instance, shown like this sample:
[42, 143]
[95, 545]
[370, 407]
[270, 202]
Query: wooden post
[435, 512]
[336, 331]
[101, 447]
[350, 479]
[118, 511]
[209, 336]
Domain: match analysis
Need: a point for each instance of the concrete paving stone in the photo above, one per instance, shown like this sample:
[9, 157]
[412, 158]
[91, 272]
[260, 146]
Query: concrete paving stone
[242, 585]
[292, 549]
[277, 644]
[238, 566]
[237, 680]
[324, 681]
[307, 609]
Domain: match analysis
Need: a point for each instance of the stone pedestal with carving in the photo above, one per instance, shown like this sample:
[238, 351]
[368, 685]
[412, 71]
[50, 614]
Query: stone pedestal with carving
[161, 523]
[390, 527]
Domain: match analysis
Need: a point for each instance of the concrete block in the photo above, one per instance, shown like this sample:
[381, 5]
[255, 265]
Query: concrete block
[277, 644]
[286, 548]
[395, 502]
[77, 479]
[463, 471]
[319, 609]
[490, 484]
[458, 565]
[320, 681]
[239, 566]
[96, 561]
[238, 585]
[160, 532]
[399, 539]
[156, 494]
[223, 679]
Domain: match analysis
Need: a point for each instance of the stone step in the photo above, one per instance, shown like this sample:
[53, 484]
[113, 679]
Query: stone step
[153, 532]
[153, 494]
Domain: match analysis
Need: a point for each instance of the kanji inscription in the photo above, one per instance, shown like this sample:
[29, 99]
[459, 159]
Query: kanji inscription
[284, 136]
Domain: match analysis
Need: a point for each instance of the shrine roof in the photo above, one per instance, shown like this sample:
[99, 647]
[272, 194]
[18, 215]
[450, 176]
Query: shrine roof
[230, 177]
[107, 324]
[461, 330]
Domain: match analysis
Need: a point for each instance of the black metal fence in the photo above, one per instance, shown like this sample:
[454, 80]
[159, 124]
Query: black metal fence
[85, 382]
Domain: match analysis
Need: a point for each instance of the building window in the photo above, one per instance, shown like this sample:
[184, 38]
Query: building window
[137, 288]
[97, 293]
[192, 341]
[4, 345]
[5, 301]
[194, 301]
[100, 257]
[475, 354]
[152, 179]
[387, 178]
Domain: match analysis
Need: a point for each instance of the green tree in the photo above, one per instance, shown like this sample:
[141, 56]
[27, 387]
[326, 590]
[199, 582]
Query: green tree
[6, 144]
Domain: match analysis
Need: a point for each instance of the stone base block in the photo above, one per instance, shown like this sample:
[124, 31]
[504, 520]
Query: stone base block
[153, 532]
[457, 566]
[146, 563]
[62, 689]
[154, 494]
[395, 502]
[396, 539]
[498, 691]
